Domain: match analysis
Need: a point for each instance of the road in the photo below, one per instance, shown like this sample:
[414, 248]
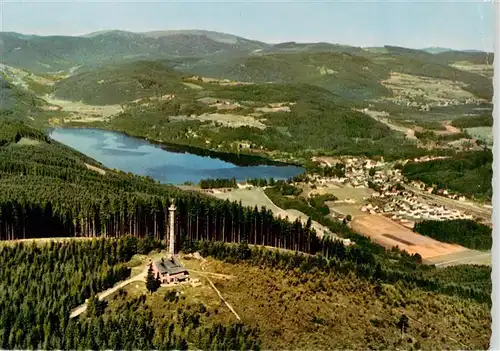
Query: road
[465, 257]
[82, 308]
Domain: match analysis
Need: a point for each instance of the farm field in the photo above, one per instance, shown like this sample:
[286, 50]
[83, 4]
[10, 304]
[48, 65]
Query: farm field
[357, 194]
[344, 208]
[482, 133]
[390, 234]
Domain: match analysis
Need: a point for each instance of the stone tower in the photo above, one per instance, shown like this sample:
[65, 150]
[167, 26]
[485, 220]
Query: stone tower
[171, 240]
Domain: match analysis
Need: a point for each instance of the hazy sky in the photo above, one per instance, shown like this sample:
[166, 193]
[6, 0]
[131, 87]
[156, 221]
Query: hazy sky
[416, 24]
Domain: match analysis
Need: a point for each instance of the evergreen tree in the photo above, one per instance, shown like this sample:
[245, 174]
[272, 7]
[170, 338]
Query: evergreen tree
[151, 281]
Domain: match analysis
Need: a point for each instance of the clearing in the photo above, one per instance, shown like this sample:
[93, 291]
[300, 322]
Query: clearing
[257, 197]
[382, 117]
[426, 89]
[80, 112]
[225, 119]
[485, 70]
[96, 169]
[349, 199]
[482, 133]
[192, 86]
[27, 141]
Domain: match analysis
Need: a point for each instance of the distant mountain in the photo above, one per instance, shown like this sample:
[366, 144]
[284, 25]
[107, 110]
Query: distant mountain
[436, 50]
[351, 72]
[60, 53]
[347, 75]
[474, 57]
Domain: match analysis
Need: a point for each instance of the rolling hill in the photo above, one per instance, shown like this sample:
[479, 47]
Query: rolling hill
[119, 83]
[60, 53]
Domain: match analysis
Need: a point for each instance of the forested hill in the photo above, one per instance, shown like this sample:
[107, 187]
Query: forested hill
[120, 83]
[49, 190]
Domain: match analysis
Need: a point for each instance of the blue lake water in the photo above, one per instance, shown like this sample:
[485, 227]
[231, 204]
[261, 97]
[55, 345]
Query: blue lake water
[119, 151]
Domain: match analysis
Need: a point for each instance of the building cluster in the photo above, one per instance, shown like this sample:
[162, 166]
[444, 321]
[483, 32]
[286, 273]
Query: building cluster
[424, 104]
[357, 174]
[432, 190]
[408, 206]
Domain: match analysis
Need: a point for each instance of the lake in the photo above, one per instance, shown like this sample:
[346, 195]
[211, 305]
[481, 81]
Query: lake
[128, 154]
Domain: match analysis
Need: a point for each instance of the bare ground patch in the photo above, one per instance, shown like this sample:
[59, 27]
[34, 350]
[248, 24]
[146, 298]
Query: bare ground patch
[96, 169]
[192, 86]
[390, 234]
[28, 141]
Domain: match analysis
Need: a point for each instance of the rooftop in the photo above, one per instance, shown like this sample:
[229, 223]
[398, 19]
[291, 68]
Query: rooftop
[169, 266]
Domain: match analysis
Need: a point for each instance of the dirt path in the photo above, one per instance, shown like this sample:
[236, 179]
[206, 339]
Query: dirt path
[218, 275]
[82, 308]
[449, 129]
[222, 298]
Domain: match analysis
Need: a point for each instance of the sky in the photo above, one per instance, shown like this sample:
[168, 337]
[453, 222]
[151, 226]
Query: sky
[414, 24]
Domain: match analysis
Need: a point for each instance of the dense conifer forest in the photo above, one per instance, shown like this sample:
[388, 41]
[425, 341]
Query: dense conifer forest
[39, 285]
[464, 232]
[467, 173]
[47, 189]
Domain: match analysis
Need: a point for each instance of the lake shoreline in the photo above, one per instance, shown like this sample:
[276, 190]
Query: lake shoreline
[242, 159]
[165, 162]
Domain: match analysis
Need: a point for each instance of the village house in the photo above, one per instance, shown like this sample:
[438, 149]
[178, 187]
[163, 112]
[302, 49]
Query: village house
[170, 270]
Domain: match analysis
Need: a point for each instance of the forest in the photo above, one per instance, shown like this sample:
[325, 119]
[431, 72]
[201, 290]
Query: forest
[473, 121]
[467, 173]
[464, 232]
[218, 183]
[39, 285]
[46, 189]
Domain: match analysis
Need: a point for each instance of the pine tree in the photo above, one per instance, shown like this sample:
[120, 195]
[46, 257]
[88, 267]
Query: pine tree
[403, 324]
[151, 282]
[158, 280]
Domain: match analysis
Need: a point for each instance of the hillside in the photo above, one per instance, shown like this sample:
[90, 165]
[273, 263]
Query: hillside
[61, 53]
[120, 83]
[15, 100]
[351, 74]
[46, 187]
[341, 73]
[152, 100]
[284, 300]
[466, 173]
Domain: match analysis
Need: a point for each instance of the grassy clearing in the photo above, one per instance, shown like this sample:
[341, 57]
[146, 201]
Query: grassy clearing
[28, 141]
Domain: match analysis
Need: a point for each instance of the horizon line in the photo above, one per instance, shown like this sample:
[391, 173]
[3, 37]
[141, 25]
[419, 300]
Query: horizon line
[271, 42]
